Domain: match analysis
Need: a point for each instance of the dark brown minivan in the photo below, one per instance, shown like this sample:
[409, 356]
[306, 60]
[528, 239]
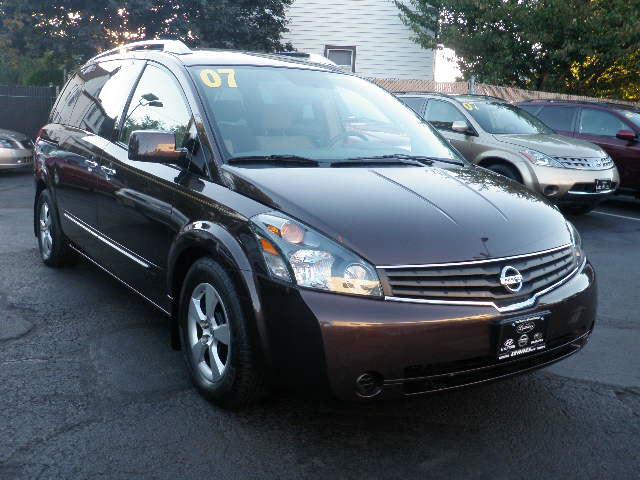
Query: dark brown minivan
[614, 127]
[297, 225]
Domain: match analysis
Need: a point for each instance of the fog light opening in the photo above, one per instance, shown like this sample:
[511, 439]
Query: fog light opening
[550, 190]
[369, 384]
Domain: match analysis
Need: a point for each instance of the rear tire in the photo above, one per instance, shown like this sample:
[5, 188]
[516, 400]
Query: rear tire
[52, 243]
[506, 171]
[216, 338]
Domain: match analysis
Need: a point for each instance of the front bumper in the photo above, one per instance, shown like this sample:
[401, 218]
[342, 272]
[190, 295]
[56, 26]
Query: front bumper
[572, 186]
[15, 159]
[414, 348]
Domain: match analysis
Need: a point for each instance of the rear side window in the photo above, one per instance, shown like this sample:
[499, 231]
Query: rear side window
[442, 114]
[105, 88]
[600, 122]
[558, 118]
[415, 103]
[63, 107]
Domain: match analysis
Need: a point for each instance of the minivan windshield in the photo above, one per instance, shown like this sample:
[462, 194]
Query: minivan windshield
[302, 114]
[502, 118]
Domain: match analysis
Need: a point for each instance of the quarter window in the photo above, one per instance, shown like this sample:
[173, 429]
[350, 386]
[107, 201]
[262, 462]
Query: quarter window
[101, 99]
[601, 123]
[158, 104]
[442, 115]
[558, 118]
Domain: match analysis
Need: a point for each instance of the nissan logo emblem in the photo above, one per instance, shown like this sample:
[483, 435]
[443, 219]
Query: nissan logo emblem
[511, 279]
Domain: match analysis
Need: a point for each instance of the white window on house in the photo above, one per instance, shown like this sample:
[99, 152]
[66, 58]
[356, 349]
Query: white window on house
[344, 57]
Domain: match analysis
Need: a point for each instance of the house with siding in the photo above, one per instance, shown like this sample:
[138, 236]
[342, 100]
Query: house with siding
[363, 36]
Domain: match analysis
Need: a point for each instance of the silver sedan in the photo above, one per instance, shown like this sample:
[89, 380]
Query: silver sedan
[16, 150]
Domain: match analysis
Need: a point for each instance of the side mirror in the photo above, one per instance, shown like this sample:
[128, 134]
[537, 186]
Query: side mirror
[627, 135]
[156, 147]
[462, 127]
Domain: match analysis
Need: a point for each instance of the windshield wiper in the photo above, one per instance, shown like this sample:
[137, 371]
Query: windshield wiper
[399, 158]
[293, 160]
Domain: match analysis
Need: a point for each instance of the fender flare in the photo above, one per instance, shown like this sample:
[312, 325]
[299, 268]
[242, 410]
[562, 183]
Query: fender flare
[223, 246]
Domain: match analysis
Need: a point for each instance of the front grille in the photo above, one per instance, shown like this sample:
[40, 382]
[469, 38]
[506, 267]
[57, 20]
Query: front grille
[479, 281]
[590, 163]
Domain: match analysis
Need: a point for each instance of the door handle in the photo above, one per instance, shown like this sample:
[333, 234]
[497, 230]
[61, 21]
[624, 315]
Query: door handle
[91, 163]
[107, 170]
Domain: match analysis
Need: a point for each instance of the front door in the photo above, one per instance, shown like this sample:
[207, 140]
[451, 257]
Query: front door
[135, 212]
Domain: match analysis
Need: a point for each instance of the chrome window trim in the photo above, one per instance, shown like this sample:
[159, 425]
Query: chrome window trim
[107, 241]
[507, 308]
[475, 262]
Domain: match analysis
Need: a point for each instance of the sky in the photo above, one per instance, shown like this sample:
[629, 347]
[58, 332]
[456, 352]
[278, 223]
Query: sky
[446, 67]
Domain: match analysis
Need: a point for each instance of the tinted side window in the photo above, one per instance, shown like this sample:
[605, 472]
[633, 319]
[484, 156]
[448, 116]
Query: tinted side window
[415, 103]
[599, 122]
[443, 114]
[105, 88]
[63, 107]
[558, 118]
[158, 104]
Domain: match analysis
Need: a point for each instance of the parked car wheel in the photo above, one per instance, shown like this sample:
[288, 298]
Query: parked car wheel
[216, 339]
[53, 245]
[506, 171]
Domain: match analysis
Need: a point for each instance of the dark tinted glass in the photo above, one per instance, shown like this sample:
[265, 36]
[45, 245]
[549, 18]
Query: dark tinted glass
[443, 114]
[415, 103]
[600, 122]
[158, 104]
[105, 88]
[558, 118]
[63, 108]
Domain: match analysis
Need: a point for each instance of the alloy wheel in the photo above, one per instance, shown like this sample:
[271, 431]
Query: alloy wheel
[46, 239]
[208, 332]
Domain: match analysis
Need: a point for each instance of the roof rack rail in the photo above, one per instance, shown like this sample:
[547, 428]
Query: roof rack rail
[170, 46]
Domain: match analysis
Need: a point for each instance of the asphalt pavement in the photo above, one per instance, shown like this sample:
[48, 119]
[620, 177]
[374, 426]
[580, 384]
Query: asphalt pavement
[89, 388]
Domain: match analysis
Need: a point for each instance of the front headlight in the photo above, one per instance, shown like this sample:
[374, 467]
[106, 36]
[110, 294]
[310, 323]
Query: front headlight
[539, 158]
[295, 253]
[576, 241]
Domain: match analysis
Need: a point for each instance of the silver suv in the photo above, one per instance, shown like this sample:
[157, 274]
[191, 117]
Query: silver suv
[506, 139]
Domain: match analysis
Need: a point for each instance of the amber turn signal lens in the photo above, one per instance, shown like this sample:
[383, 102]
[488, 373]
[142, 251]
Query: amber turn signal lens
[268, 247]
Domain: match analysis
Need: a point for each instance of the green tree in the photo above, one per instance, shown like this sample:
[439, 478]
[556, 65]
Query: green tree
[588, 47]
[70, 31]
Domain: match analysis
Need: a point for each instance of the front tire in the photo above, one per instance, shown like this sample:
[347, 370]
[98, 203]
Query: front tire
[506, 171]
[52, 243]
[216, 338]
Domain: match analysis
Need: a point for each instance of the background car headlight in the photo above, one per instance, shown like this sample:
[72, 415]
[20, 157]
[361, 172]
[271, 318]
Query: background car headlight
[295, 253]
[6, 143]
[539, 158]
[576, 241]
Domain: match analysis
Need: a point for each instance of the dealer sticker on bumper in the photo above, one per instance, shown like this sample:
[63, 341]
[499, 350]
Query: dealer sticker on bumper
[521, 336]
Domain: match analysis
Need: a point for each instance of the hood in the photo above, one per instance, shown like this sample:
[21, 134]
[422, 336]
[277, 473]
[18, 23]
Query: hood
[410, 215]
[553, 145]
